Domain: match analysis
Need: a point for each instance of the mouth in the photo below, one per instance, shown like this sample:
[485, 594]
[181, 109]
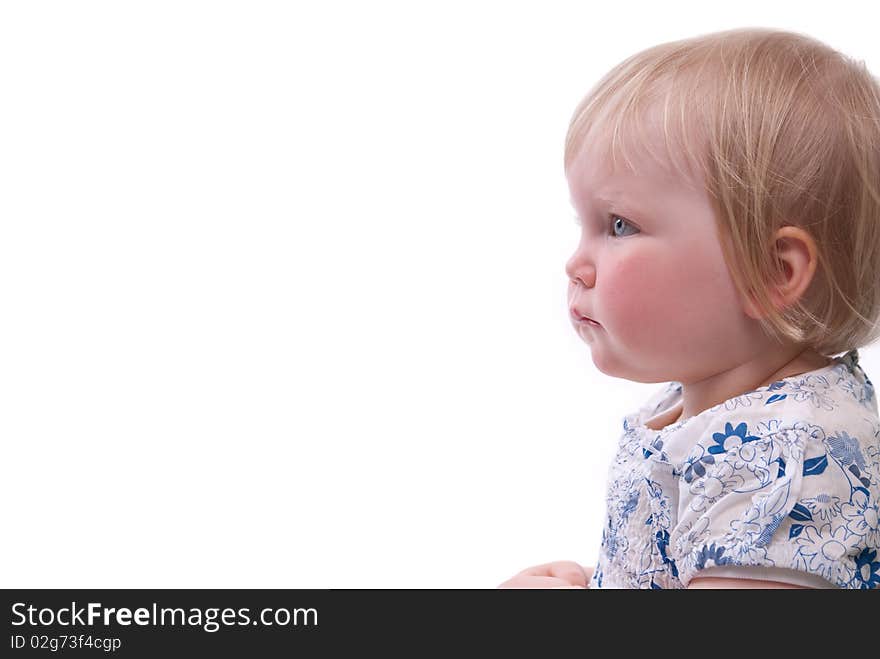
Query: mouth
[580, 318]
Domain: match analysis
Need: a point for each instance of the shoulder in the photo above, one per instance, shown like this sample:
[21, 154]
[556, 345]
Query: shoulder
[795, 419]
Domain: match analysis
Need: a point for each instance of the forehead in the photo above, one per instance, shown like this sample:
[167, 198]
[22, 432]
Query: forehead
[594, 183]
[639, 159]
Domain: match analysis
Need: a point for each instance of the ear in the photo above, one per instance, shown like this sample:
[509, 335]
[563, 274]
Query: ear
[797, 253]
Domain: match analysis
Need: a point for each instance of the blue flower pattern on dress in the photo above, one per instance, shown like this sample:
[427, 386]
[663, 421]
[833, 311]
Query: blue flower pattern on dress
[786, 476]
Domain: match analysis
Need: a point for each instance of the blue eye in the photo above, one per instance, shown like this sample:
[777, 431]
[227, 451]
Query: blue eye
[617, 223]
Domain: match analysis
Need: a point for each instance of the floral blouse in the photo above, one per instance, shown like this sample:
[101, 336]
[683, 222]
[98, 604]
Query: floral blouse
[781, 483]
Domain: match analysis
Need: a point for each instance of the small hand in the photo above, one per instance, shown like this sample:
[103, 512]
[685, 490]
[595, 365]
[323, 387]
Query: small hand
[558, 574]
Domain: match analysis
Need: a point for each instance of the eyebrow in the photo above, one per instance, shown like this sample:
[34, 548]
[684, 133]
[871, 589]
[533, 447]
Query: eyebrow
[618, 200]
[609, 195]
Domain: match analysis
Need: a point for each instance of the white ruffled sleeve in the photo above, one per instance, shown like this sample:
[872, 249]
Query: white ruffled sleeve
[782, 496]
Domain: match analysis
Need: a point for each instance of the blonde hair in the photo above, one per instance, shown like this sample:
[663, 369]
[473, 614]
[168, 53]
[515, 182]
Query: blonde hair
[782, 130]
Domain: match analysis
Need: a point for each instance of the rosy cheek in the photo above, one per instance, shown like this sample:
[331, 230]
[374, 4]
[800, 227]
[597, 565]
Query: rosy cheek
[635, 289]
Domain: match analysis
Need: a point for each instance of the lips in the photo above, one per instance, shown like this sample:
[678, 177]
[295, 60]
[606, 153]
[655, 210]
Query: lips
[581, 318]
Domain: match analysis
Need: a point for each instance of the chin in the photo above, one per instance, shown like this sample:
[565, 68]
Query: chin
[604, 366]
[615, 369]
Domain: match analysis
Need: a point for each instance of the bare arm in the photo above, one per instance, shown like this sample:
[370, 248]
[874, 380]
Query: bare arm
[725, 582]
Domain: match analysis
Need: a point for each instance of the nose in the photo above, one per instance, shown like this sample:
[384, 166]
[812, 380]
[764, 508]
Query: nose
[581, 270]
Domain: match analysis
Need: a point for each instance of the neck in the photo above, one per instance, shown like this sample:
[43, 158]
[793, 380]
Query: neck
[761, 371]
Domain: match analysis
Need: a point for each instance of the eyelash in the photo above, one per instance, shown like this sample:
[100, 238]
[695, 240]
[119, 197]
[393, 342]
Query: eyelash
[612, 216]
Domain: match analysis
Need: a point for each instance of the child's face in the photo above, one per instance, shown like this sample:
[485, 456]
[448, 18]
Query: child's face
[655, 280]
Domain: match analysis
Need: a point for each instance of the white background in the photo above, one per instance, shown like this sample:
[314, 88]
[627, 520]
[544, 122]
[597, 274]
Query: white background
[283, 289]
